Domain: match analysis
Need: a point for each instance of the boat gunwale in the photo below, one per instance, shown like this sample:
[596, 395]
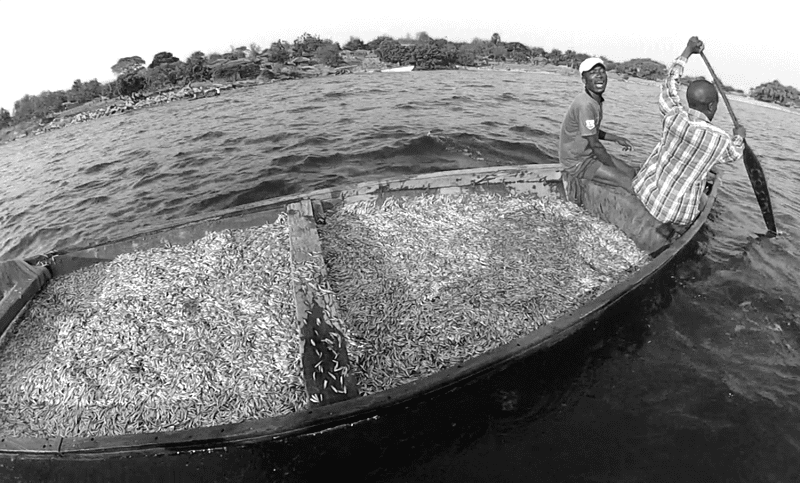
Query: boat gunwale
[352, 411]
[549, 172]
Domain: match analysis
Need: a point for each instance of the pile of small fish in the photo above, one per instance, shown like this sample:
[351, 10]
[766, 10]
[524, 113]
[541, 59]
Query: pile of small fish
[427, 282]
[165, 339]
[202, 334]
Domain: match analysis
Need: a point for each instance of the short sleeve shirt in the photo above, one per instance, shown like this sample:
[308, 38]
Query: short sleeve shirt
[582, 119]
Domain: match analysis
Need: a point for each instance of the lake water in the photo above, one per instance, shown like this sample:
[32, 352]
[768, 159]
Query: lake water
[701, 383]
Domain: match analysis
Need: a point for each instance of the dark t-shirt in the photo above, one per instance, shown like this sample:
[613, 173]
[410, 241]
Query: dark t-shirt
[582, 119]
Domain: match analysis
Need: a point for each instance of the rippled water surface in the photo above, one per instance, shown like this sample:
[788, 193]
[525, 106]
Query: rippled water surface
[700, 383]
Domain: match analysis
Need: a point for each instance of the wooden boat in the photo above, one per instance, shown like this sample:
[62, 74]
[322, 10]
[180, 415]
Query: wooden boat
[342, 434]
[405, 68]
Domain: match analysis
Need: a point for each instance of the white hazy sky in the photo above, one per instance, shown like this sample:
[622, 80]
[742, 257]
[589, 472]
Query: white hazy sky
[46, 45]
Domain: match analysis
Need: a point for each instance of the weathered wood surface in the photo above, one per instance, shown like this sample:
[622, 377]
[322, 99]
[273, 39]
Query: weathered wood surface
[542, 179]
[19, 283]
[326, 368]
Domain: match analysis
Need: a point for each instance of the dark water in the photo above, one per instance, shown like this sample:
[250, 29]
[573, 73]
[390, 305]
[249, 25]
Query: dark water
[701, 382]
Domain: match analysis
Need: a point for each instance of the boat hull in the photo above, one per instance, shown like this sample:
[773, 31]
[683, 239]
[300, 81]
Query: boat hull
[405, 68]
[383, 430]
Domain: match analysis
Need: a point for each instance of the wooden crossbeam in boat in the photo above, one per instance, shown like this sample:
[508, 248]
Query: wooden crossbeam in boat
[326, 368]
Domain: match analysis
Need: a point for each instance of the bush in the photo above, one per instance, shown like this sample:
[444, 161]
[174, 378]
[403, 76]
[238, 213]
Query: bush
[328, 54]
[131, 83]
[643, 68]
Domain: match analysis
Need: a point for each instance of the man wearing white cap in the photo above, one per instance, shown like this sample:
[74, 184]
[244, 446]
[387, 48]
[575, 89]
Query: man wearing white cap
[580, 150]
[594, 179]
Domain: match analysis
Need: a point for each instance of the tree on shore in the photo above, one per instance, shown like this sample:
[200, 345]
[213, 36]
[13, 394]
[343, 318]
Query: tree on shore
[643, 68]
[196, 69]
[5, 118]
[467, 55]
[306, 45]
[253, 51]
[162, 58]
[328, 53]
[392, 52]
[376, 42]
[130, 83]
[354, 43]
[235, 53]
[233, 70]
[42, 106]
[166, 75]
[777, 93]
[127, 65]
[429, 56]
[279, 52]
[82, 92]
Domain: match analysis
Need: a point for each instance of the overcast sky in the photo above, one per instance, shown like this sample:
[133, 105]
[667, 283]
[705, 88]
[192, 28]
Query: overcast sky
[46, 45]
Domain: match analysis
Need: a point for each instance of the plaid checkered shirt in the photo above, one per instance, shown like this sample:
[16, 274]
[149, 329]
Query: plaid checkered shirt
[671, 181]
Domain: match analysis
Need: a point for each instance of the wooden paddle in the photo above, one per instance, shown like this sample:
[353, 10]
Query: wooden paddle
[751, 163]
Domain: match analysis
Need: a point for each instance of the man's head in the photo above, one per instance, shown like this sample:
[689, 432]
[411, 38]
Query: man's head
[593, 73]
[702, 96]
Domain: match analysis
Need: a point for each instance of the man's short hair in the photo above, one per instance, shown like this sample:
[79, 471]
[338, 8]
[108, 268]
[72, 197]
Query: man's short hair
[701, 93]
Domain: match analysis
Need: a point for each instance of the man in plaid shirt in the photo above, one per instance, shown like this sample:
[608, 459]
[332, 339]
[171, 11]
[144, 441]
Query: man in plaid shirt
[670, 183]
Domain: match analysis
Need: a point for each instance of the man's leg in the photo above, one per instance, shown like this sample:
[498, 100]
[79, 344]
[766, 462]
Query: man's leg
[612, 176]
[629, 171]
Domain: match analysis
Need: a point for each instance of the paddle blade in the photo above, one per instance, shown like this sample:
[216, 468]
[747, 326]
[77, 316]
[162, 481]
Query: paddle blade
[759, 183]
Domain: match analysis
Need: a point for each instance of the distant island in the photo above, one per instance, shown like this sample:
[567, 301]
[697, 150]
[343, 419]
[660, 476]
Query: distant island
[166, 78]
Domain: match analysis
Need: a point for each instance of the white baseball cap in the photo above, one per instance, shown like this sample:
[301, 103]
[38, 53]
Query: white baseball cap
[589, 64]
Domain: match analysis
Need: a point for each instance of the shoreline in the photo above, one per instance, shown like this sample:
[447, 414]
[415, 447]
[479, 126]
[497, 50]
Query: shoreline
[769, 105]
[199, 90]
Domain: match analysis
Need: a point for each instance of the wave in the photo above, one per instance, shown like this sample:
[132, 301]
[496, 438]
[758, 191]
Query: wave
[407, 152]
[530, 131]
[234, 141]
[151, 178]
[261, 191]
[96, 168]
[271, 138]
[92, 201]
[302, 109]
[209, 135]
[90, 185]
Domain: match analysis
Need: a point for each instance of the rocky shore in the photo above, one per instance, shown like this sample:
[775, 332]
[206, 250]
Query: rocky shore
[119, 106]
[199, 90]
[193, 91]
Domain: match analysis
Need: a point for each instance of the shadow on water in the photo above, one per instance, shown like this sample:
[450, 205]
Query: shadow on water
[656, 392]
[495, 416]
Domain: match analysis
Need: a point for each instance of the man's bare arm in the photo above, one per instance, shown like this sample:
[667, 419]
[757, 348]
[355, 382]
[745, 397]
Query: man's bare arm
[605, 158]
[607, 136]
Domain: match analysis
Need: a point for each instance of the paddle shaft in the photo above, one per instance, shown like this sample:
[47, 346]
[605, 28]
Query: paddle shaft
[751, 163]
[720, 89]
